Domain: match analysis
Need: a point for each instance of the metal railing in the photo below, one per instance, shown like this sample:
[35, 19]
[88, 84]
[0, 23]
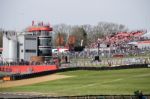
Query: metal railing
[74, 61]
[101, 97]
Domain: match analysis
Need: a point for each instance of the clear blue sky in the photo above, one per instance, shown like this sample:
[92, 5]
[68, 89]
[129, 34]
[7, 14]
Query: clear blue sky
[18, 14]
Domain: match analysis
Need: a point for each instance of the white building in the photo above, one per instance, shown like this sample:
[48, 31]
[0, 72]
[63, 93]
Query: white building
[35, 41]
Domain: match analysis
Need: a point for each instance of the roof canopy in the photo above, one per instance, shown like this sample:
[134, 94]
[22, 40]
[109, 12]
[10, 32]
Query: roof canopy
[39, 28]
[146, 35]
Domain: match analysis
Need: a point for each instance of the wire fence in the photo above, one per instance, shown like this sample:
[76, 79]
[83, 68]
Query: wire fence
[102, 97]
[82, 61]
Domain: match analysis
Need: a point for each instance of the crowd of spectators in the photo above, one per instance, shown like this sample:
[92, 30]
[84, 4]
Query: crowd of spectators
[118, 39]
[119, 43]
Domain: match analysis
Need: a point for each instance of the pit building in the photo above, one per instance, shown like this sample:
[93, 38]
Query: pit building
[33, 44]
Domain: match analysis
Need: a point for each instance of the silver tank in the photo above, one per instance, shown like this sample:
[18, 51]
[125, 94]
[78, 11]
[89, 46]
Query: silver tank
[12, 50]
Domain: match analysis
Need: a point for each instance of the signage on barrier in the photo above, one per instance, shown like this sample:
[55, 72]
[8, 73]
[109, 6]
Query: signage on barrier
[6, 78]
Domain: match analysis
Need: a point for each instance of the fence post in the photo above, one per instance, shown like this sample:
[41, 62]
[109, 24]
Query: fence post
[75, 59]
[84, 59]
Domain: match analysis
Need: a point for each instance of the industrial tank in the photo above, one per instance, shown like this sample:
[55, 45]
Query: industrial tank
[5, 54]
[12, 50]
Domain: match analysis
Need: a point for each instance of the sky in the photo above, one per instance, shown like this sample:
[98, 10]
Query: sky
[18, 14]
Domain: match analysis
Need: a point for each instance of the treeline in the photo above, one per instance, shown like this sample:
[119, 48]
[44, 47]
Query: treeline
[76, 35]
[83, 34]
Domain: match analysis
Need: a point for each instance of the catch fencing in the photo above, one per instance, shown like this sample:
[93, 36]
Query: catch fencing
[75, 61]
[101, 97]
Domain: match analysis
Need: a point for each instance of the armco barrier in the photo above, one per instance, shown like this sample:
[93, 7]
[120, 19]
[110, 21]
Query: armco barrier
[25, 76]
[38, 74]
[98, 97]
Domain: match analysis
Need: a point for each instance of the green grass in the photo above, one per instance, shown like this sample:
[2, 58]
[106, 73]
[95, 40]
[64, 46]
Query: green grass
[108, 82]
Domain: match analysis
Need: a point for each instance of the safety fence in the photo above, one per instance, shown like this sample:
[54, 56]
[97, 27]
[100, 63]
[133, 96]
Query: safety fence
[97, 62]
[101, 97]
[24, 69]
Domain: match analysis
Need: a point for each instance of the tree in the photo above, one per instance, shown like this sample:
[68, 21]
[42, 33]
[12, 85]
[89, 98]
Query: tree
[63, 30]
[87, 33]
[60, 39]
[80, 35]
[1, 38]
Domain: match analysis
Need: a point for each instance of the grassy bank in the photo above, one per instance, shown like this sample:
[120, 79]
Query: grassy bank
[116, 82]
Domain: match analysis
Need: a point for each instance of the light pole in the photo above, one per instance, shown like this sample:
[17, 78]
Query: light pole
[98, 52]
[98, 48]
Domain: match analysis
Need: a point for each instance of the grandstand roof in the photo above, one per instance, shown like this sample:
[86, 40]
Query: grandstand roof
[146, 35]
[144, 42]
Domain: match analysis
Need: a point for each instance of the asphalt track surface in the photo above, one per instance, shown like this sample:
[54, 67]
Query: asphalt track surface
[7, 95]
[31, 80]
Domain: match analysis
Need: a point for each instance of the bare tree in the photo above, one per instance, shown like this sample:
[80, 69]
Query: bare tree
[63, 30]
[80, 34]
[60, 39]
[87, 33]
[1, 37]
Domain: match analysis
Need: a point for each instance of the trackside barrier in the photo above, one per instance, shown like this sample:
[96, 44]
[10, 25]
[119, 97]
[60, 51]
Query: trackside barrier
[99, 97]
[25, 76]
[27, 68]
[6, 78]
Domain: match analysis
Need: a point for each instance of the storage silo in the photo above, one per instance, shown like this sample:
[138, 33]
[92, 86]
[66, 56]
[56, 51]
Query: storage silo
[5, 53]
[12, 50]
